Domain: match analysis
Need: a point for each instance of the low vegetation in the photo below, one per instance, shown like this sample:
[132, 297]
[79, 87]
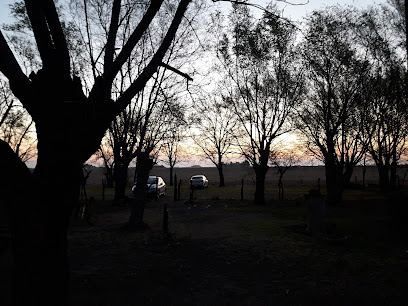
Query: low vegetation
[221, 250]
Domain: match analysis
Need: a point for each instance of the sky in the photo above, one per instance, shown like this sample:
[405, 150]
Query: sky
[294, 12]
[297, 11]
[4, 10]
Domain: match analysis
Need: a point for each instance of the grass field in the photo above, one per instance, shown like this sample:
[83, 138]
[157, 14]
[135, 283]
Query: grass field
[224, 251]
[234, 175]
[220, 250]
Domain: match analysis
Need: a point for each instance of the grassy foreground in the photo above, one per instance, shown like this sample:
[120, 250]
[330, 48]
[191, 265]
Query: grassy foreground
[224, 251]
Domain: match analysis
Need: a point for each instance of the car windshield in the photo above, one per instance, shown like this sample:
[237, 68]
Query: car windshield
[197, 177]
[151, 180]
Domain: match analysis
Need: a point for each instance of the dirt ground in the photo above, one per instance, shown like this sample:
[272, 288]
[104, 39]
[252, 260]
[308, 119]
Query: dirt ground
[223, 251]
[228, 253]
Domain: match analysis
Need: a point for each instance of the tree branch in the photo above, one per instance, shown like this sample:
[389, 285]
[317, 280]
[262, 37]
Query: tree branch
[57, 36]
[113, 29]
[133, 40]
[9, 66]
[41, 31]
[155, 62]
[185, 75]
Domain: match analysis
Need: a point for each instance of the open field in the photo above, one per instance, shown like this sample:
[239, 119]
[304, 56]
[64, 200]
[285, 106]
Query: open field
[234, 175]
[220, 250]
[302, 178]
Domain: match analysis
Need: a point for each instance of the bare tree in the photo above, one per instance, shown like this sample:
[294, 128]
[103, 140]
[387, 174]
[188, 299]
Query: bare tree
[389, 121]
[171, 147]
[71, 123]
[213, 133]
[381, 33]
[283, 159]
[332, 117]
[262, 83]
[126, 133]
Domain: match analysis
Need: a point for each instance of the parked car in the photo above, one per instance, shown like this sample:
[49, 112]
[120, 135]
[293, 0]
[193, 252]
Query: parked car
[156, 187]
[199, 181]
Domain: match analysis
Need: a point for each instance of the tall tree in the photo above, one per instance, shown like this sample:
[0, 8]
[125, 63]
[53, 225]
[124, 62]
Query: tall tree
[124, 134]
[70, 125]
[171, 147]
[213, 133]
[332, 117]
[262, 83]
[388, 114]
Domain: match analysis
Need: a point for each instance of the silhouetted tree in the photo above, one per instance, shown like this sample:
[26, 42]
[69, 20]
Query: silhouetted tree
[262, 83]
[213, 133]
[283, 159]
[382, 35]
[70, 125]
[388, 143]
[124, 134]
[171, 147]
[332, 117]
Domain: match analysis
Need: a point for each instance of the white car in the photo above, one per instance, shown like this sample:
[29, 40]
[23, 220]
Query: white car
[199, 181]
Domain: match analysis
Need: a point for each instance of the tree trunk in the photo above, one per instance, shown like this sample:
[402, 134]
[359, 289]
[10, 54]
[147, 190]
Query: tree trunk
[383, 174]
[260, 173]
[393, 175]
[120, 175]
[333, 184]
[109, 176]
[280, 185]
[143, 166]
[171, 176]
[349, 169]
[221, 174]
[39, 220]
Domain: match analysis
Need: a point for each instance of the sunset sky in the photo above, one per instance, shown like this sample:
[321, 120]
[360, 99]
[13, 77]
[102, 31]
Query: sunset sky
[294, 12]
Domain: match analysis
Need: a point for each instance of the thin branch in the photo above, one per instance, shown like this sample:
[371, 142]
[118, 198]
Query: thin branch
[260, 7]
[185, 75]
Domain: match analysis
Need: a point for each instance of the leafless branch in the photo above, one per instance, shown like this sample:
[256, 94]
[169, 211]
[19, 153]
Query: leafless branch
[176, 71]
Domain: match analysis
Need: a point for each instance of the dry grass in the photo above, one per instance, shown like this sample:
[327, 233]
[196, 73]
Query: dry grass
[223, 251]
